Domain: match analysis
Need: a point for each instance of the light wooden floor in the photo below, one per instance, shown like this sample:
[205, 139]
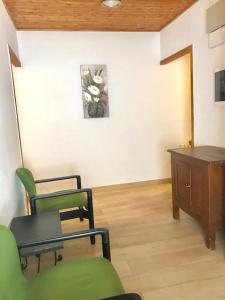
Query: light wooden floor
[154, 255]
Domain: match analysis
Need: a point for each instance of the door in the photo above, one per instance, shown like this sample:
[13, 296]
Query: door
[199, 189]
[178, 78]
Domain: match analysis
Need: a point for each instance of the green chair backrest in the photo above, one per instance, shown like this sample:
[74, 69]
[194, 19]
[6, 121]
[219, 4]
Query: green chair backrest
[12, 282]
[27, 179]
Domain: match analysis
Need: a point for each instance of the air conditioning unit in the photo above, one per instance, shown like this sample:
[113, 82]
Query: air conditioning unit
[216, 23]
[216, 16]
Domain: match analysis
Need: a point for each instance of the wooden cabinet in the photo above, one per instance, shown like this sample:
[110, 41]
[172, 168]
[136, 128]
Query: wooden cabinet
[198, 187]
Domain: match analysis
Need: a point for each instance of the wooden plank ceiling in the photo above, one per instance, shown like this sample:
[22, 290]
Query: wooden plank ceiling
[132, 15]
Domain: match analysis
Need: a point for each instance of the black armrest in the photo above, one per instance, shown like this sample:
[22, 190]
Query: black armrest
[62, 178]
[125, 297]
[77, 235]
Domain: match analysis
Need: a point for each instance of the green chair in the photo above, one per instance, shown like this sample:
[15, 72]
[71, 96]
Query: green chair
[75, 203]
[87, 279]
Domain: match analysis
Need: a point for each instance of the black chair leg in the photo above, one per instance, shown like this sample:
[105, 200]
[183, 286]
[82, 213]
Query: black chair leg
[57, 257]
[91, 215]
[24, 265]
[91, 223]
[81, 218]
[39, 262]
[92, 239]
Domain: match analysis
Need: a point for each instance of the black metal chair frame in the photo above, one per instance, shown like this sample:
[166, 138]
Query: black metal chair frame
[81, 234]
[81, 212]
[76, 235]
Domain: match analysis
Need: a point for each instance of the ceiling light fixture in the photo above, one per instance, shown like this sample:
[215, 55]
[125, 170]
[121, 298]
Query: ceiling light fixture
[111, 3]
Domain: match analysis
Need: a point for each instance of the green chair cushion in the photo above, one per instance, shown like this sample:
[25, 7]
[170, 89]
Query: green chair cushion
[54, 203]
[27, 179]
[12, 282]
[61, 202]
[88, 279]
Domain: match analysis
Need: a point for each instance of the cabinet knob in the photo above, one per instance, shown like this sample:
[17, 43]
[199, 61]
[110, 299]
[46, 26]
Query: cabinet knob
[187, 185]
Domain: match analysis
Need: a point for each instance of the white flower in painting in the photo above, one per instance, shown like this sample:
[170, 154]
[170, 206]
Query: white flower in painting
[94, 90]
[96, 99]
[87, 97]
[98, 79]
[105, 88]
[86, 72]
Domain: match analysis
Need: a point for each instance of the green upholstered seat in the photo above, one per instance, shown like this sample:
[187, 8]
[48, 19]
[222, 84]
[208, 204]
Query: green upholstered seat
[12, 282]
[54, 203]
[61, 202]
[89, 279]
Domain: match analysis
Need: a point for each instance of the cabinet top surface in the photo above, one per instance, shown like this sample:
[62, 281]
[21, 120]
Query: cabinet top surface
[209, 154]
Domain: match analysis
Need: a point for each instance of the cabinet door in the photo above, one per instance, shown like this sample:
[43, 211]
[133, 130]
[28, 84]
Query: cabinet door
[199, 190]
[182, 184]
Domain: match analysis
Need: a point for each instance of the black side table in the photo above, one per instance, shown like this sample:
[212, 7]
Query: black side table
[35, 228]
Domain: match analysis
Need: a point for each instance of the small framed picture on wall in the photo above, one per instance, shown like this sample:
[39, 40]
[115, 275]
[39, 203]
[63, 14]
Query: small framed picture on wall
[220, 85]
[94, 91]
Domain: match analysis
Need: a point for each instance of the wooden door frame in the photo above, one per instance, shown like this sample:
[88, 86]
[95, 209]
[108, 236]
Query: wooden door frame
[13, 58]
[14, 61]
[173, 57]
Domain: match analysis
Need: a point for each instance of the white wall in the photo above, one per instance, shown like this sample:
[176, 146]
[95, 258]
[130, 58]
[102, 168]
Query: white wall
[127, 147]
[190, 28]
[10, 193]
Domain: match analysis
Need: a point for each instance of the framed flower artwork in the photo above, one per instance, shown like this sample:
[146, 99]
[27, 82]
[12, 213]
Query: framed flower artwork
[94, 91]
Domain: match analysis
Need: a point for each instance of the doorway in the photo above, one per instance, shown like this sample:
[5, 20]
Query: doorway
[179, 77]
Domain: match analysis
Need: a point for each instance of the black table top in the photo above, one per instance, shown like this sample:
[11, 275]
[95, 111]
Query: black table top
[34, 228]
